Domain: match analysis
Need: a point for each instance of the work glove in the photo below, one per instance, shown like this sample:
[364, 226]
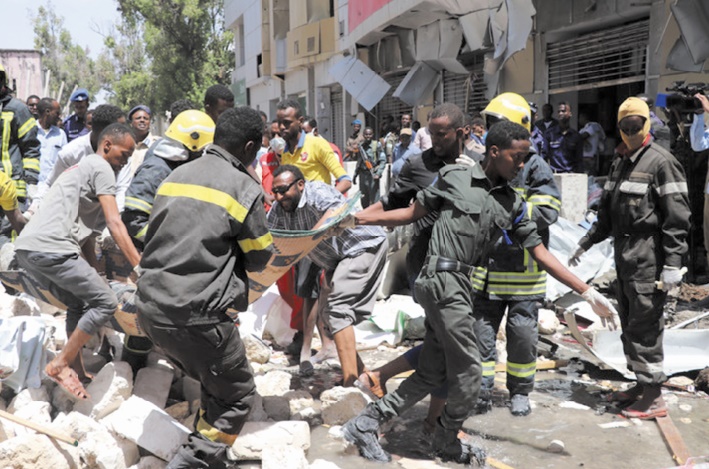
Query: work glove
[465, 160]
[670, 277]
[602, 307]
[574, 259]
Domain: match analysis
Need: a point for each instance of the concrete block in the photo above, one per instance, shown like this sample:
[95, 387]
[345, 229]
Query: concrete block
[38, 452]
[548, 321]
[191, 389]
[37, 412]
[109, 389]
[573, 188]
[153, 385]
[257, 413]
[278, 457]
[256, 350]
[148, 426]
[150, 462]
[255, 436]
[27, 396]
[341, 404]
[277, 408]
[273, 383]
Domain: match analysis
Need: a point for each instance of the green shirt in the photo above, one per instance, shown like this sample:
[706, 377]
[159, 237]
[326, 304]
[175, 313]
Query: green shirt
[473, 215]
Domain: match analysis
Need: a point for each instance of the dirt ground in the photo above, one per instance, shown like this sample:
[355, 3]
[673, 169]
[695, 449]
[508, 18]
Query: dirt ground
[568, 405]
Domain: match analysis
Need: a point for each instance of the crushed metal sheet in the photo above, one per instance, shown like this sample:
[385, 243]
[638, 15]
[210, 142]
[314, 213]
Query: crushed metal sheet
[685, 350]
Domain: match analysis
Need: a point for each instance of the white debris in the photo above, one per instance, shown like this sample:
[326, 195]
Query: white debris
[255, 436]
[37, 452]
[273, 383]
[556, 446]
[109, 389]
[256, 350]
[548, 321]
[148, 426]
[280, 456]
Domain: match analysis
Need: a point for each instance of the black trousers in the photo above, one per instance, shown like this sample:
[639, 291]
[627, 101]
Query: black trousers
[215, 356]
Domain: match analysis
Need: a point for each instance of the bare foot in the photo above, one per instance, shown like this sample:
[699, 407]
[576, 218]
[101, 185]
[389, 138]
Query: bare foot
[67, 378]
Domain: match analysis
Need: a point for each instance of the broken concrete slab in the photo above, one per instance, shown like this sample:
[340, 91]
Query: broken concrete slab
[27, 396]
[148, 426]
[38, 452]
[276, 407]
[341, 404]
[273, 383]
[256, 350]
[153, 385]
[149, 462]
[255, 436]
[109, 389]
[279, 456]
[37, 412]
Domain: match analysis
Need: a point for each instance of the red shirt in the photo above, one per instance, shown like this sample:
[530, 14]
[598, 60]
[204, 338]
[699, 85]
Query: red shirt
[269, 162]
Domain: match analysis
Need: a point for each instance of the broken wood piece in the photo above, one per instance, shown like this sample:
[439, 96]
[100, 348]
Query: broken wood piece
[618, 424]
[680, 452]
[50, 432]
[492, 462]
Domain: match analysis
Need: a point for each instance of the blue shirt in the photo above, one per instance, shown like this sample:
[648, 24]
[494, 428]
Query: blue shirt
[51, 141]
[399, 155]
[75, 127]
[698, 137]
[565, 150]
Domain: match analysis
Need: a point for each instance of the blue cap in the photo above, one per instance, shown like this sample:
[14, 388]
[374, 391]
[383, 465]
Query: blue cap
[139, 107]
[356, 122]
[79, 95]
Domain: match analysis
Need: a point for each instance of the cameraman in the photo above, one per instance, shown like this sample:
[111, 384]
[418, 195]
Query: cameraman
[698, 135]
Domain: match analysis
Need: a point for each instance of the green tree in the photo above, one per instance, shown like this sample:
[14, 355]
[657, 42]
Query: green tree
[67, 62]
[187, 44]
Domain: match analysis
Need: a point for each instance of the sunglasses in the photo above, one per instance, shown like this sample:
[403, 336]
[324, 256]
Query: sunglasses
[283, 189]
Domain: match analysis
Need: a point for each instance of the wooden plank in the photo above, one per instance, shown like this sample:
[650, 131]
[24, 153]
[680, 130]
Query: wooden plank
[40, 428]
[492, 462]
[680, 452]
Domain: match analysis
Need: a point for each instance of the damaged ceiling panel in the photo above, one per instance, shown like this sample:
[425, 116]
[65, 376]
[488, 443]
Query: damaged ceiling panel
[360, 81]
[681, 59]
[475, 29]
[417, 18]
[418, 84]
[438, 44]
[692, 18]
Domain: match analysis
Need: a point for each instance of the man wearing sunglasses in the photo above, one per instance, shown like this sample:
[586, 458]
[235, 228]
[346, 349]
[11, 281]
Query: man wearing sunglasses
[645, 207]
[353, 261]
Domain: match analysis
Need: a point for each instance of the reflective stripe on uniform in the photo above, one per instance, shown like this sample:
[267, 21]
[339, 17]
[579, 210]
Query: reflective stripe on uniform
[488, 368]
[205, 194]
[516, 283]
[521, 370]
[26, 127]
[31, 164]
[212, 433]
[609, 186]
[635, 188]
[257, 244]
[6, 129]
[138, 204]
[21, 187]
[140, 235]
[548, 200]
[672, 188]
[478, 278]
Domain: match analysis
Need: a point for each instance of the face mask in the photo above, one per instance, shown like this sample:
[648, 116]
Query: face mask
[635, 141]
[277, 145]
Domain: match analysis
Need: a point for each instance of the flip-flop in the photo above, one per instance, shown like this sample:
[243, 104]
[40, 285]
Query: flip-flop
[373, 389]
[68, 381]
[649, 414]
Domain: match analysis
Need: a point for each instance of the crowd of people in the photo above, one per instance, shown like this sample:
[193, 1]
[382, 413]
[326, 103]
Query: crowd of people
[192, 211]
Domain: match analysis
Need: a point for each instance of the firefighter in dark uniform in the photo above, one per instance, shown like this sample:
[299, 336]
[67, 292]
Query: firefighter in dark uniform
[207, 229]
[184, 140]
[511, 280]
[476, 206]
[645, 208]
[19, 147]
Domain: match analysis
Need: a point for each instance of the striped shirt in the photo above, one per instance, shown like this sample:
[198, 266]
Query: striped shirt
[316, 199]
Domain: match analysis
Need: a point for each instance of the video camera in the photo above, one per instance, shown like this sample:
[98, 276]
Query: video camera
[682, 100]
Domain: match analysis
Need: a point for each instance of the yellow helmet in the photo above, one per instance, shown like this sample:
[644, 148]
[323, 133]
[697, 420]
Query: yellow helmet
[511, 107]
[194, 129]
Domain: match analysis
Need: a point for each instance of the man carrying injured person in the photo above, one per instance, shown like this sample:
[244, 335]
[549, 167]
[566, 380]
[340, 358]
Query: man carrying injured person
[476, 206]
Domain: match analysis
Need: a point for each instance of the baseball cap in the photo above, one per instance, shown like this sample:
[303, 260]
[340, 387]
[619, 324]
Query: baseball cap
[356, 122]
[79, 95]
[139, 107]
[406, 131]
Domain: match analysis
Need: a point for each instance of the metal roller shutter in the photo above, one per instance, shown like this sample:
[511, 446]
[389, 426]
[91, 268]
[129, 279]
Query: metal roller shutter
[455, 89]
[389, 105]
[338, 125]
[608, 57]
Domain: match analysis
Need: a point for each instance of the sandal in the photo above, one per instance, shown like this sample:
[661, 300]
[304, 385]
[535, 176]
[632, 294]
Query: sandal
[369, 384]
[654, 411]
